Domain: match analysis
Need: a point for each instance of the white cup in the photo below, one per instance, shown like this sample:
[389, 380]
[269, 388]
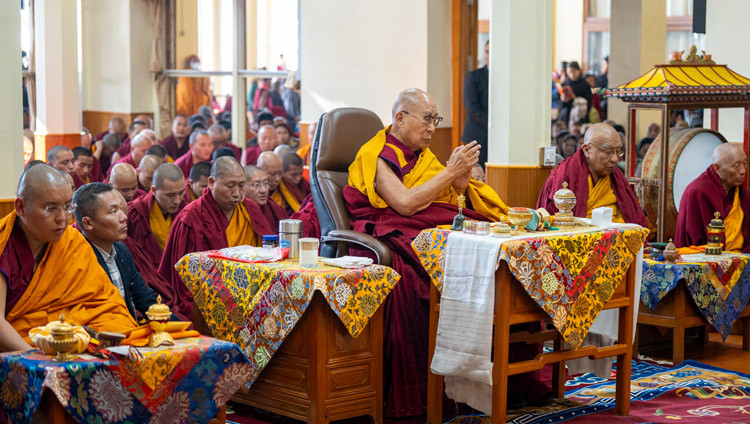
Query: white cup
[308, 251]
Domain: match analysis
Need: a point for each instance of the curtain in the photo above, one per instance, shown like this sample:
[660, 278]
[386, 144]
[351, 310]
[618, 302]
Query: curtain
[157, 12]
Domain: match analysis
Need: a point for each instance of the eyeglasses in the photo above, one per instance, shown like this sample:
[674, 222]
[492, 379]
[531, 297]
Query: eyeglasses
[53, 210]
[427, 119]
[257, 185]
[609, 152]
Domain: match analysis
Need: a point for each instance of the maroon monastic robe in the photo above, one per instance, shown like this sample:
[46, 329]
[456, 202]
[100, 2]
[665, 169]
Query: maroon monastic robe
[575, 171]
[251, 155]
[236, 150]
[17, 264]
[185, 163]
[199, 227]
[170, 143]
[78, 182]
[701, 199]
[124, 148]
[96, 175]
[139, 226]
[274, 213]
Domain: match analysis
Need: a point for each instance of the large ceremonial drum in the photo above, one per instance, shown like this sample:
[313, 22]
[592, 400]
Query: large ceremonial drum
[690, 152]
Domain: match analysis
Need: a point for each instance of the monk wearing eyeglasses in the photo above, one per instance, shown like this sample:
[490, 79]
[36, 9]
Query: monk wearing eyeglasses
[257, 189]
[592, 174]
[47, 266]
[718, 189]
[396, 189]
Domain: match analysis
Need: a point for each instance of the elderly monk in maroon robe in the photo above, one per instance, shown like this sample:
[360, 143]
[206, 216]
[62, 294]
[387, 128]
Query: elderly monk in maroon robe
[293, 189]
[146, 169]
[61, 158]
[140, 144]
[200, 150]
[592, 174]
[177, 142]
[125, 180]
[267, 141]
[220, 218]
[719, 189]
[396, 189]
[135, 128]
[45, 267]
[150, 217]
[83, 162]
[256, 189]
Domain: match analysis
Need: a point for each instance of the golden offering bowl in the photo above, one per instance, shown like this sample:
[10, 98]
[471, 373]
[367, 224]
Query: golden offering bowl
[158, 315]
[520, 217]
[63, 340]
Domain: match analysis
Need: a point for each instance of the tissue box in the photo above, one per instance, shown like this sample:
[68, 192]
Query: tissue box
[601, 216]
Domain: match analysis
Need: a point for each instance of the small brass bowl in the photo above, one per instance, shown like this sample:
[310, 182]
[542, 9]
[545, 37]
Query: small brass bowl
[520, 217]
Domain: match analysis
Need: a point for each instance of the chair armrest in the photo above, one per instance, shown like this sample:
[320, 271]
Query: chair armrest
[382, 251]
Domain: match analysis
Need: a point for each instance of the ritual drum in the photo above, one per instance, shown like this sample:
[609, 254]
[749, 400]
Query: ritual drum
[690, 152]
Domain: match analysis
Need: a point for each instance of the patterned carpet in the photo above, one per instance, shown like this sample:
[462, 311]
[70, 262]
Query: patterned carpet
[690, 393]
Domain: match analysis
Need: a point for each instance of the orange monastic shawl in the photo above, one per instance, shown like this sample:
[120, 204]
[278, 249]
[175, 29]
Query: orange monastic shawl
[483, 198]
[68, 280]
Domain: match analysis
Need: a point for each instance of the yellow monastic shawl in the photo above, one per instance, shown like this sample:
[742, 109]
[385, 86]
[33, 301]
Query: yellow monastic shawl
[240, 230]
[69, 280]
[601, 195]
[483, 198]
[733, 225]
[159, 225]
[289, 198]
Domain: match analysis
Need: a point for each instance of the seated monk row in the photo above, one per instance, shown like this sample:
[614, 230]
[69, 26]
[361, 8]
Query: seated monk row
[48, 267]
[222, 217]
[718, 189]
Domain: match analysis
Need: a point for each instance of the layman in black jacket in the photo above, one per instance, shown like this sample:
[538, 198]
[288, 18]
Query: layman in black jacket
[476, 87]
[100, 217]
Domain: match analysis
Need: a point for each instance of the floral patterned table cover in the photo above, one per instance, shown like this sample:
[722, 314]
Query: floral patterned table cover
[185, 383]
[570, 275]
[256, 305]
[719, 285]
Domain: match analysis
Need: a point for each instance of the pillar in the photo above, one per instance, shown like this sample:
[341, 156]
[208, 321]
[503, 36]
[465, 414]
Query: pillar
[58, 101]
[519, 101]
[11, 120]
[725, 28]
[116, 55]
[638, 34]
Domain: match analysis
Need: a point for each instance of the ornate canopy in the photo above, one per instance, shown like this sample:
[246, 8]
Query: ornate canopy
[696, 79]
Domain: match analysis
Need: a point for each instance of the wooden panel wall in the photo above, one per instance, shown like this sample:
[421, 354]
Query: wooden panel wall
[442, 144]
[518, 185]
[98, 121]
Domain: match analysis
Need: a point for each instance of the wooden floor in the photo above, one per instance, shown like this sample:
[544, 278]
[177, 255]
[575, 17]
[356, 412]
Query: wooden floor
[728, 354]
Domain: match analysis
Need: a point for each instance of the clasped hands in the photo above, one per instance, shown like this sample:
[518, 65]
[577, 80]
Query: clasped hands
[463, 158]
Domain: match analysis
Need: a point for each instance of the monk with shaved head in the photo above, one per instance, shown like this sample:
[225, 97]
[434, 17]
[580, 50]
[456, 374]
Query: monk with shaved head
[138, 148]
[150, 217]
[48, 268]
[267, 141]
[146, 169]
[124, 179]
[200, 150]
[220, 218]
[592, 174]
[397, 188]
[257, 190]
[292, 190]
[719, 189]
[61, 157]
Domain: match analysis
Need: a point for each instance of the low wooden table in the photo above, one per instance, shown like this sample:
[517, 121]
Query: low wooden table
[290, 321]
[605, 255]
[677, 310]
